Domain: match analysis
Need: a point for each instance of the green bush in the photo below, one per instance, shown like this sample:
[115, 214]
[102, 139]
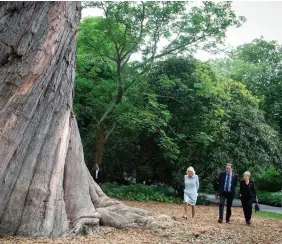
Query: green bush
[207, 187]
[269, 180]
[202, 200]
[139, 192]
[270, 198]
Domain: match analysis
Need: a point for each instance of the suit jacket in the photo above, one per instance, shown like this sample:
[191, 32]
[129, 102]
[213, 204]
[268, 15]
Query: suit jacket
[221, 180]
[100, 178]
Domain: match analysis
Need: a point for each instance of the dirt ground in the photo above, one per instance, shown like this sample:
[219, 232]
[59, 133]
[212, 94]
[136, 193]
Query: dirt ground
[203, 229]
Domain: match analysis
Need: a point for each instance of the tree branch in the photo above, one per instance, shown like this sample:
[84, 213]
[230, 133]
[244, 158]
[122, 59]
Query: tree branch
[107, 92]
[173, 98]
[108, 134]
[129, 52]
[167, 52]
[168, 124]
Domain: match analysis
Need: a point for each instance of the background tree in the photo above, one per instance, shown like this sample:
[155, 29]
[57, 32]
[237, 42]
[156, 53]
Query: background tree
[258, 66]
[183, 114]
[213, 121]
[131, 27]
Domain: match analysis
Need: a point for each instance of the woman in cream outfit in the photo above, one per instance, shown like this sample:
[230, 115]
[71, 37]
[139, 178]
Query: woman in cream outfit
[191, 182]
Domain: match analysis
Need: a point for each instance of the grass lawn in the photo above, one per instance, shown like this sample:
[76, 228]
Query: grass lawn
[268, 215]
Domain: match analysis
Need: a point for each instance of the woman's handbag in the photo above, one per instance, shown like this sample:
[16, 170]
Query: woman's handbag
[256, 207]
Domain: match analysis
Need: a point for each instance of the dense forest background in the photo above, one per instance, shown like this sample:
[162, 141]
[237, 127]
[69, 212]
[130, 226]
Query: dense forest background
[146, 120]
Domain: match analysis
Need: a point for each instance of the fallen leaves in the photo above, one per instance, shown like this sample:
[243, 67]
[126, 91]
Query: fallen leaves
[203, 229]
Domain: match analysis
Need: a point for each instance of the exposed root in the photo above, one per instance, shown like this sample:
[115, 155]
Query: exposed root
[115, 214]
[84, 226]
[121, 216]
[118, 216]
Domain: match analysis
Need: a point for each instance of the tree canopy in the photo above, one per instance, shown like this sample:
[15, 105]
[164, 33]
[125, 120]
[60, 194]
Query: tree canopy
[167, 110]
[129, 28]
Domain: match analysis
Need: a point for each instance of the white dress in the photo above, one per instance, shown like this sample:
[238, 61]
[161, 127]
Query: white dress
[191, 189]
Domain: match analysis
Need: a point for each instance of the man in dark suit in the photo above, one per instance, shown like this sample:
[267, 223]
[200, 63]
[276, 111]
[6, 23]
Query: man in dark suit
[97, 174]
[227, 185]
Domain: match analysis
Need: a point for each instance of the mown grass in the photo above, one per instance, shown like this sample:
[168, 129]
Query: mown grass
[270, 215]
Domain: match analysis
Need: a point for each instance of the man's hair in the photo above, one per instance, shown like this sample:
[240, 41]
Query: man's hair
[229, 165]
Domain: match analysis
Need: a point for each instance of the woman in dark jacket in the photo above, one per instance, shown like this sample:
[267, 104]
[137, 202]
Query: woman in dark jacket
[247, 195]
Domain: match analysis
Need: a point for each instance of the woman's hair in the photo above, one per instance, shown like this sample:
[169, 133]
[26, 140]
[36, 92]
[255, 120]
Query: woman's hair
[191, 169]
[247, 173]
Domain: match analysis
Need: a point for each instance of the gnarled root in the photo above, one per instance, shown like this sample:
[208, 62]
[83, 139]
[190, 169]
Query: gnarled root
[121, 216]
[84, 226]
[88, 207]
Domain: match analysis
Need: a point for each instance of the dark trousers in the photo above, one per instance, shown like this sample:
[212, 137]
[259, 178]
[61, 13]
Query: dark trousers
[247, 205]
[98, 181]
[228, 196]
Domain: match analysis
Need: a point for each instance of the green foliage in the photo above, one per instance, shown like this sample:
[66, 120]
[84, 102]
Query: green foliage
[252, 143]
[185, 117]
[202, 200]
[268, 180]
[212, 121]
[140, 192]
[105, 47]
[258, 66]
[145, 173]
[270, 198]
[168, 111]
[206, 186]
[132, 26]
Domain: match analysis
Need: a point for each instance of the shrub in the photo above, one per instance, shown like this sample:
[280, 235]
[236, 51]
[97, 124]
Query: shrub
[207, 187]
[139, 192]
[270, 198]
[269, 180]
[202, 200]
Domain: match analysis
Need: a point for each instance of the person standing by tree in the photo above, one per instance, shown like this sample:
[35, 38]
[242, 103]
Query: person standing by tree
[191, 182]
[97, 174]
[227, 185]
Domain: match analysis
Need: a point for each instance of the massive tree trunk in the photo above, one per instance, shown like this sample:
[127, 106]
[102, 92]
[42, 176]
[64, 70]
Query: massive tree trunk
[45, 187]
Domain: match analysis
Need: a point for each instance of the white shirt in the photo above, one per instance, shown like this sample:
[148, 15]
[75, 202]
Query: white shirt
[97, 170]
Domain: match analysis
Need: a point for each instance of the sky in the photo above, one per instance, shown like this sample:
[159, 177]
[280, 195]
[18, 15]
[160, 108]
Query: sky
[264, 18]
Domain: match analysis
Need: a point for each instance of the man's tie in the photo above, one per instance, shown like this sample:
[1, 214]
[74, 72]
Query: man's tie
[227, 182]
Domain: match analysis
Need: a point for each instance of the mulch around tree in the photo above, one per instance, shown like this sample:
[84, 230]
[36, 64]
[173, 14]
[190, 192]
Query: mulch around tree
[203, 229]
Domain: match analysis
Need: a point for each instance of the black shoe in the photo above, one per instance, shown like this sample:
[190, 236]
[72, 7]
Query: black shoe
[248, 222]
[227, 221]
[220, 221]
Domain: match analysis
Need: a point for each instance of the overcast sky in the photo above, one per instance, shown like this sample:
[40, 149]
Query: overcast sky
[264, 18]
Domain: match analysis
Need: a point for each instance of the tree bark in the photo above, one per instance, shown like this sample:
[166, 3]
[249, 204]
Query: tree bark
[100, 141]
[45, 187]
